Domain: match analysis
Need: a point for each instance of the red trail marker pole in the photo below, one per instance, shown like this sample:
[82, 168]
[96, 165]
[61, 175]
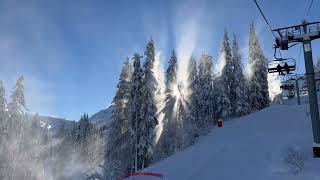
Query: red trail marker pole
[219, 123]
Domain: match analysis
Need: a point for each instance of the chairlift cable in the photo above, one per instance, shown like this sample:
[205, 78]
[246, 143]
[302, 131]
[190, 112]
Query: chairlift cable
[293, 45]
[264, 17]
[309, 7]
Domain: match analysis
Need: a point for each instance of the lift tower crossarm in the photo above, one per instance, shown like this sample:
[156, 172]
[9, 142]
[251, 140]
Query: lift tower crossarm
[305, 33]
[296, 33]
[296, 26]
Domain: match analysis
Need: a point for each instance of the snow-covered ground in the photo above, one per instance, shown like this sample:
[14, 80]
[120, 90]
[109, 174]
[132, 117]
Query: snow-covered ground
[249, 148]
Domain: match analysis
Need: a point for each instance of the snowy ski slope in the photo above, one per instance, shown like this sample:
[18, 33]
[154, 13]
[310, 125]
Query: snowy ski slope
[248, 148]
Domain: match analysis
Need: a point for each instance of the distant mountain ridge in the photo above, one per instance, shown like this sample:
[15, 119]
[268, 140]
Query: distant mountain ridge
[53, 124]
[103, 117]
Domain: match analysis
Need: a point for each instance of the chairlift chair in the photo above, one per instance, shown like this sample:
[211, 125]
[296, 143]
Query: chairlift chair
[142, 176]
[288, 94]
[291, 94]
[288, 86]
[273, 66]
[303, 89]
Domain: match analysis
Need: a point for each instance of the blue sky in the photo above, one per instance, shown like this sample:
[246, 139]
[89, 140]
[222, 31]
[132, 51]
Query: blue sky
[71, 52]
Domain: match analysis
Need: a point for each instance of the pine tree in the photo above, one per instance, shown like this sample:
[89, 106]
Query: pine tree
[35, 144]
[121, 110]
[221, 99]
[147, 129]
[149, 111]
[35, 128]
[240, 104]
[3, 134]
[193, 99]
[94, 147]
[17, 136]
[171, 75]
[227, 79]
[181, 124]
[259, 94]
[117, 149]
[61, 131]
[84, 136]
[3, 112]
[135, 102]
[72, 136]
[169, 129]
[206, 98]
[16, 108]
[149, 75]
[60, 158]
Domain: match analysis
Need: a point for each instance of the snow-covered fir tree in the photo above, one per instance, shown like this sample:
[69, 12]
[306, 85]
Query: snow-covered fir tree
[171, 75]
[240, 105]
[37, 134]
[84, 137]
[36, 142]
[258, 80]
[59, 158]
[72, 137]
[219, 97]
[182, 129]
[117, 147]
[147, 129]
[149, 118]
[19, 144]
[3, 112]
[227, 79]
[95, 148]
[3, 133]
[16, 108]
[35, 129]
[193, 98]
[169, 121]
[28, 152]
[135, 102]
[61, 131]
[149, 66]
[206, 98]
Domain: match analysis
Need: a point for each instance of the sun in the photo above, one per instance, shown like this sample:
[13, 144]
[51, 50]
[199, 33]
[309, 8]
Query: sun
[176, 92]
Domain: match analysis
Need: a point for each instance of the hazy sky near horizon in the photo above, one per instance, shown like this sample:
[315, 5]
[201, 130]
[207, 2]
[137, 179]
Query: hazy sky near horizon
[71, 52]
